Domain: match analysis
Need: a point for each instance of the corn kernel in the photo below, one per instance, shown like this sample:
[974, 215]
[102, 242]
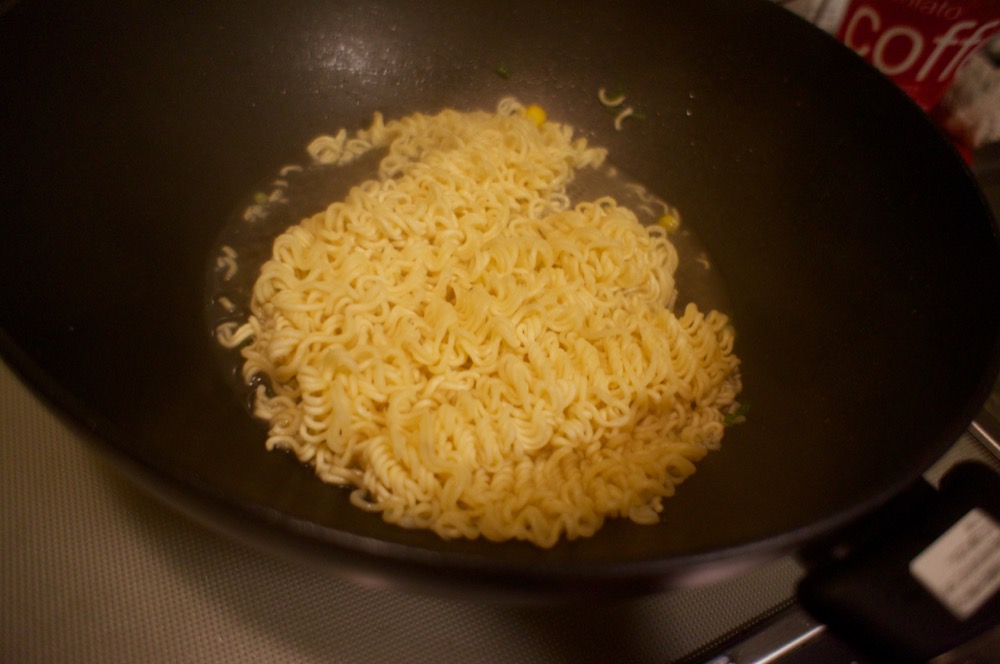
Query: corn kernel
[669, 222]
[536, 114]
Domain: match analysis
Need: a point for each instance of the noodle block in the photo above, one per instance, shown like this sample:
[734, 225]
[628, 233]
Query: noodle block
[472, 353]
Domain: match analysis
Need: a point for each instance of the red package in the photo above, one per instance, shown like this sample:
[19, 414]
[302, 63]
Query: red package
[919, 44]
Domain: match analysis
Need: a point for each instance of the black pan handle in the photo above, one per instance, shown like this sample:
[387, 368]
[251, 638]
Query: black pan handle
[918, 579]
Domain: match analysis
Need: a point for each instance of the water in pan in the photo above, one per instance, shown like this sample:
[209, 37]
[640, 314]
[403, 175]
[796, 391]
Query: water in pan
[295, 193]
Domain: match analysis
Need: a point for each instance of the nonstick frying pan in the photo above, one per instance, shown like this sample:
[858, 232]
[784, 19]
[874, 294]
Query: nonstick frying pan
[858, 257]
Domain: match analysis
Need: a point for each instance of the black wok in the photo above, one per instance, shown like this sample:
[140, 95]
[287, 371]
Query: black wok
[859, 258]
